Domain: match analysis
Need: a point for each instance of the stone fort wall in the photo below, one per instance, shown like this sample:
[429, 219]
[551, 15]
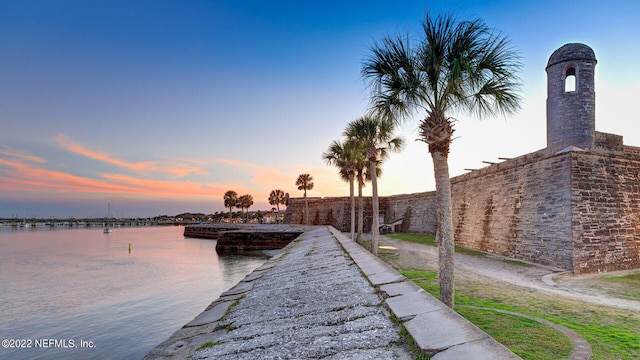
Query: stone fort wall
[606, 211]
[576, 210]
[574, 205]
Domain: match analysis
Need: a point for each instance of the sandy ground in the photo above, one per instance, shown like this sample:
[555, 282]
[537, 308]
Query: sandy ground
[537, 278]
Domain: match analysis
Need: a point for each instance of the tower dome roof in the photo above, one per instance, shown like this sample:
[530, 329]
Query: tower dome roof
[572, 51]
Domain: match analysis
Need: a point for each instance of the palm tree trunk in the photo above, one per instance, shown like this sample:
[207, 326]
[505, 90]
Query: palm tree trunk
[444, 233]
[375, 225]
[353, 207]
[360, 211]
[306, 211]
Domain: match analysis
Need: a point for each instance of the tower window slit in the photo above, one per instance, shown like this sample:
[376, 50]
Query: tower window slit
[570, 80]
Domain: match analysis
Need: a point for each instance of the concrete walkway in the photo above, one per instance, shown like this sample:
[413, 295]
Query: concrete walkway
[316, 300]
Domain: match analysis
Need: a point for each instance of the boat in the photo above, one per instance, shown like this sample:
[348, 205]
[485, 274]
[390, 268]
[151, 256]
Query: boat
[108, 229]
[24, 223]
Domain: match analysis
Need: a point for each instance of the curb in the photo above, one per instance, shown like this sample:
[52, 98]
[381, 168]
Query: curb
[437, 330]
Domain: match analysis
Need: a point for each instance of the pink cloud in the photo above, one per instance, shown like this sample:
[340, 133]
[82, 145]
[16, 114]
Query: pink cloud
[23, 173]
[179, 169]
[21, 155]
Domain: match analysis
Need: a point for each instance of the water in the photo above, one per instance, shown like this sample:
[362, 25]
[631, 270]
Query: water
[79, 293]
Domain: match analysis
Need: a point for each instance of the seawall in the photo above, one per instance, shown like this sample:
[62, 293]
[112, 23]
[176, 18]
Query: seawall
[324, 296]
[244, 238]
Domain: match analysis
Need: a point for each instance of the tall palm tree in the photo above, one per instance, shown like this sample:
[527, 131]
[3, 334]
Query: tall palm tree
[305, 182]
[248, 203]
[363, 174]
[376, 135]
[360, 176]
[230, 201]
[456, 66]
[277, 198]
[245, 202]
[345, 157]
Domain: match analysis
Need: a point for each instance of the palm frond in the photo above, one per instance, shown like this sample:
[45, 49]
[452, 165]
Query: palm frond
[457, 66]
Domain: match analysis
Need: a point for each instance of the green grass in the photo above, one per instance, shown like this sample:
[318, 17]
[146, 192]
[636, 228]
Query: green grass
[516, 262]
[414, 349]
[428, 239]
[465, 250]
[629, 284]
[612, 333]
[525, 337]
[206, 345]
[621, 286]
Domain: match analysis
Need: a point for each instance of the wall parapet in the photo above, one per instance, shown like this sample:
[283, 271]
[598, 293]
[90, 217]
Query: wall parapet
[504, 165]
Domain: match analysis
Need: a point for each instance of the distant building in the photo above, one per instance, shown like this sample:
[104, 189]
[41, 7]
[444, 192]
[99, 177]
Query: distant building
[269, 217]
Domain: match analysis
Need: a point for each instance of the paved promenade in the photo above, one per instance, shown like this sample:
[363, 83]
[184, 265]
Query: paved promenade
[324, 296]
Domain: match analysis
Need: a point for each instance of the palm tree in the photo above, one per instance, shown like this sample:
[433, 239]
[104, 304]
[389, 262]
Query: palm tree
[363, 174]
[345, 157]
[245, 202]
[305, 182]
[360, 176]
[456, 66]
[376, 135]
[277, 197]
[248, 202]
[360, 168]
[230, 201]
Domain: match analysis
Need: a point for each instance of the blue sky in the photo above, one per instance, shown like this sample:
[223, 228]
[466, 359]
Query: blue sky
[159, 107]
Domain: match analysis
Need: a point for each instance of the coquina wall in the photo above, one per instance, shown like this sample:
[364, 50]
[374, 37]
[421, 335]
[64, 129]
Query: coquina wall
[606, 210]
[520, 208]
[575, 210]
[417, 211]
[574, 205]
[333, 211]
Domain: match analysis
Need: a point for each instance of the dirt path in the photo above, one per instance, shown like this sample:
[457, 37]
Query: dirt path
[491, 268]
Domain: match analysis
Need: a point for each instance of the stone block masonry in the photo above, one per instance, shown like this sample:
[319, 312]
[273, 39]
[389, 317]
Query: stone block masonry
[573, 205]
[416, 210]
[606, 212]
[520, 209]
[576, 210]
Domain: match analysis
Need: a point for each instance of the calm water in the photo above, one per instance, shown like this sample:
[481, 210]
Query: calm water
[92, 298]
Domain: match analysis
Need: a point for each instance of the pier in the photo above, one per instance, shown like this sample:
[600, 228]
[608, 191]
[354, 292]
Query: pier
[325, 296]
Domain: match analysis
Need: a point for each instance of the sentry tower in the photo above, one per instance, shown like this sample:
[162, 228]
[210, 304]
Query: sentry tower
[571, 98]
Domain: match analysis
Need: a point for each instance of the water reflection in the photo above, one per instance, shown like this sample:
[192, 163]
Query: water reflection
[86, 284]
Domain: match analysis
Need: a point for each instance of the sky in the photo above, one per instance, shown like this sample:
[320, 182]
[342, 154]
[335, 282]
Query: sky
[158, 107]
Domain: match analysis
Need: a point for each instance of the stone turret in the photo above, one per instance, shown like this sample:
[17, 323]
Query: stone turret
[571, 98]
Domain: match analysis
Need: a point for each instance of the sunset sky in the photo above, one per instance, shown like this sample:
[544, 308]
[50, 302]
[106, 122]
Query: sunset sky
[160, 106]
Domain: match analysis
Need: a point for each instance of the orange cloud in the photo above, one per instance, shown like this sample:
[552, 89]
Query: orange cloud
[178, 170]
[69, 145]
[26, 178]
[12, 153]
[23, 173]
[270, 178]
[160, 188]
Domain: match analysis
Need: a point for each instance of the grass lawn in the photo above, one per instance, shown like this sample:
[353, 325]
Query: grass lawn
[612, 333]
[428, 239]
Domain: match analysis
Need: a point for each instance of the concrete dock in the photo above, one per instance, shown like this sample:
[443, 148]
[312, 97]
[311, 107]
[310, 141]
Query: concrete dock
[324, 296]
